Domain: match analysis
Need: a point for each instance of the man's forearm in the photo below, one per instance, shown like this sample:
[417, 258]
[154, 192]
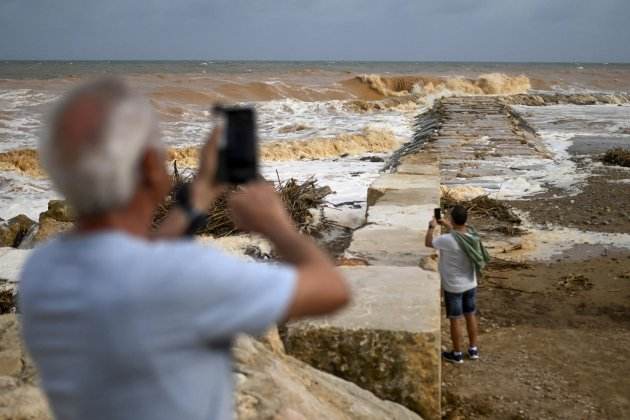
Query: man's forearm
[428, 238]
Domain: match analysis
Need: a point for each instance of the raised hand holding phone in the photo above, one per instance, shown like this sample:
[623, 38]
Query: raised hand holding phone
[238, 145]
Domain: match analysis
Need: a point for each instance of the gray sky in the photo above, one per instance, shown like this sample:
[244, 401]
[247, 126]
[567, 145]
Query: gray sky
[413, 30]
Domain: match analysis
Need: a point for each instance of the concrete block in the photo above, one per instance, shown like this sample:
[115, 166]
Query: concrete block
[410, 216]
[11, 262]
[390, 245]
[395, 182]
[393, 353]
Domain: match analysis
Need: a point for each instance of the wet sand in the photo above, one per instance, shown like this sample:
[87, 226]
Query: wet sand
[555, 333]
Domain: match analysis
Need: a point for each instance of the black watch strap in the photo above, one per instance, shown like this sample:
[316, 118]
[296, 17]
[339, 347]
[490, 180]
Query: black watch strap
[196, 219]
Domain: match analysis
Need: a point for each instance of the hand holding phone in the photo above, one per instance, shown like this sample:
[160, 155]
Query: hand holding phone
[238, 145]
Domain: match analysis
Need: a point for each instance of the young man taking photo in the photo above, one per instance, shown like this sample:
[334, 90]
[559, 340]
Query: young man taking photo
[462, 256]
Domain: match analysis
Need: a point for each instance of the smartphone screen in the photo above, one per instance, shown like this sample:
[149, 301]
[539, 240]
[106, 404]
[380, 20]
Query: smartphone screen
[437, 213]
[238, 148]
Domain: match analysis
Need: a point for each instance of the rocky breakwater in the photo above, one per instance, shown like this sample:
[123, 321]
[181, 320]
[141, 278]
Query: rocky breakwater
[388, 340]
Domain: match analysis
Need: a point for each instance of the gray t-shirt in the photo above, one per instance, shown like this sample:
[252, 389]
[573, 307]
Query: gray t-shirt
[456, 269]
[123, 328]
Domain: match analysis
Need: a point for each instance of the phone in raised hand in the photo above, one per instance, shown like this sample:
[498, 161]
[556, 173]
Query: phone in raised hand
[238, 146]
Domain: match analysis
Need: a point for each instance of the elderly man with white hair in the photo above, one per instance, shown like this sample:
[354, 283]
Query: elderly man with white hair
[127, 323]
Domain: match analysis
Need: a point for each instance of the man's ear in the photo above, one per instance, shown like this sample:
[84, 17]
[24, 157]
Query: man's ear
[155, 178]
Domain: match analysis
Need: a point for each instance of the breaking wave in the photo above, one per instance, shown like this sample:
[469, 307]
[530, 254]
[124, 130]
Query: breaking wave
[369, 141]
[24, 161]
[367, 87]
[485, 84]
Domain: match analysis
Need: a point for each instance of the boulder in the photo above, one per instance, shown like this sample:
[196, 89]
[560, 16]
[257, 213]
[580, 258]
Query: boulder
[60, 211]
[387, 341]
[20, 399]
[14, 230]
[275, 386]
[57, 219]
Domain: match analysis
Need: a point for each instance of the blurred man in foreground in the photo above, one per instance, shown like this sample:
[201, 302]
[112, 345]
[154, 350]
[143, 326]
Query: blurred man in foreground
[125, 323]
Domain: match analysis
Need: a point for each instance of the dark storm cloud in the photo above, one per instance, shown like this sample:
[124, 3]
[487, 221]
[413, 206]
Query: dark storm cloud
[464, 30]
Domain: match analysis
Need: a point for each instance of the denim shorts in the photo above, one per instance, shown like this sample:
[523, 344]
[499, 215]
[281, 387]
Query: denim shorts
[458, 304]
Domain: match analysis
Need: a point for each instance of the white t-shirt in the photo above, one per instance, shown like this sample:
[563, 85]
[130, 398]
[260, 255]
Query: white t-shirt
[123, 328]
[456, 270]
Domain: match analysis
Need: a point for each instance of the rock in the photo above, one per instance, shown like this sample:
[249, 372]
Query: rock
[49, 227]
[272, 386]
[14, 230]
[429, 262]
[57, 219]
[60, 211]
[372, 159]
[20, 399]
[387, 341]
[24, 402]
[273, 341]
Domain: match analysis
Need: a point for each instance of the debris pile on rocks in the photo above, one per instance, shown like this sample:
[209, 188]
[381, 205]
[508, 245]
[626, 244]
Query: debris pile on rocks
[617, 156]
[491, 214]
[300, 198]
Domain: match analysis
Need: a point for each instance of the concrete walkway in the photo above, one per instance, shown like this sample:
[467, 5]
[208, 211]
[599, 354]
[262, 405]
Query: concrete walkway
[388, 340]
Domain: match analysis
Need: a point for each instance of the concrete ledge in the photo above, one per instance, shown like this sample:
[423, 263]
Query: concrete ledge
[395, 182]
[387, 341]
[410, 216]
[419, 164]
[389, 245]
[11, 262]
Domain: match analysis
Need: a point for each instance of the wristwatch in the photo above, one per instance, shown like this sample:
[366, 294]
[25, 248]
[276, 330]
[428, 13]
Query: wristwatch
[196, 219]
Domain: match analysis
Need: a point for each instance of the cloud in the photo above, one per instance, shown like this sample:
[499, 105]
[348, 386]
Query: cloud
[491, 30]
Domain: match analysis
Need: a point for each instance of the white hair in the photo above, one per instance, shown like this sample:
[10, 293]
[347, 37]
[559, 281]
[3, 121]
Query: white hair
[103, 172]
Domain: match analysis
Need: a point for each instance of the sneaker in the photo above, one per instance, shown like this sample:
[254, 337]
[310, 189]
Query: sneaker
[453, 357]
[473, 353]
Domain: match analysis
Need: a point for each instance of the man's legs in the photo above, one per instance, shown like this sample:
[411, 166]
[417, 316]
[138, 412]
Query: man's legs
[456, 333]
[454, 312]
[471, 326]
[469, 304]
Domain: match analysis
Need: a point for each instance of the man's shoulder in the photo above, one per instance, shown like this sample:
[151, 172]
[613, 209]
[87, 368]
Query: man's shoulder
[446, 238]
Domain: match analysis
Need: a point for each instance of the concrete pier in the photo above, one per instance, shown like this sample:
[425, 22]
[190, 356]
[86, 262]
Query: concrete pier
[388, 340]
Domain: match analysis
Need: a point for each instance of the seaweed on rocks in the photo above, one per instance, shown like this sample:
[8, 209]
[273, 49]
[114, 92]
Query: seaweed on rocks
[617, 157]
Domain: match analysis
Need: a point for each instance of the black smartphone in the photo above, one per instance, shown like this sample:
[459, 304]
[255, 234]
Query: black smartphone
[238, 146]
[437, 213]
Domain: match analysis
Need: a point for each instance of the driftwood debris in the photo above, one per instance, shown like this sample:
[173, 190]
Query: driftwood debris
[300, 199]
